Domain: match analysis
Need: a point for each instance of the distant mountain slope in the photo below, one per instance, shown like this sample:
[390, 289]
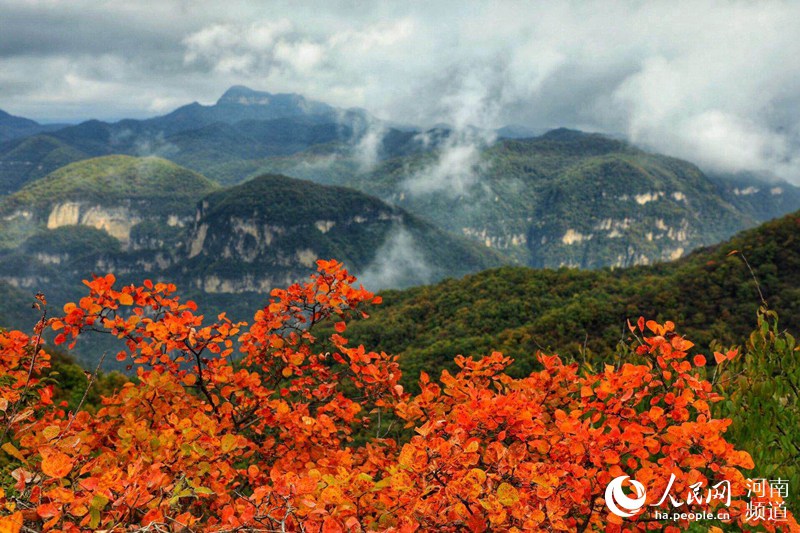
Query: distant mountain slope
[572, 199]
[759, 196]
[231, 140]
[344, 162]
[709, 294]
[204, 148]
[133, 199]
[30, 158]
[12, 127]
[565, 198]
[242, 124]
[15, 309]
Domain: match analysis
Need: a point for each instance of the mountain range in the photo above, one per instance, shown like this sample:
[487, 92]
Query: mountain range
[565, 198]
[230, 199]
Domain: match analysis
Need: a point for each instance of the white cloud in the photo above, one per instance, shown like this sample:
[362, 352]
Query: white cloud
[398, 263]
[717, 82]
[367, 149]
[302, 56]
[456, 169]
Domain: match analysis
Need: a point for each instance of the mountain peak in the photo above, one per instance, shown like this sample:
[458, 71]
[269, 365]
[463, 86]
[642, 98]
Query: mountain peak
[269, 105]
[7, 119]
[239, 94]
[565, 134]
[12, 127]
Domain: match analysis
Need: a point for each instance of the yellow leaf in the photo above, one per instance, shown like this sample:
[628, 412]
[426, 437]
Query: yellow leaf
[12, 450]
[228, 442]
[276, 342]
[540, 480]
[477, 474]
[406, 457]
[507, 494]
[51, 432]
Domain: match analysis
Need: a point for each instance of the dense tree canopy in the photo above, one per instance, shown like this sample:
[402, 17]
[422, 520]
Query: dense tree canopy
[270, 427]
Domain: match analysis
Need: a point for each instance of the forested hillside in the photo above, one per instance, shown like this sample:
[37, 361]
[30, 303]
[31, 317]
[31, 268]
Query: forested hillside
[566, 198]
[582, 315]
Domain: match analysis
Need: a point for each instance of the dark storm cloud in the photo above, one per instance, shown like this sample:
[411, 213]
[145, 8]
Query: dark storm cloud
[715, 82]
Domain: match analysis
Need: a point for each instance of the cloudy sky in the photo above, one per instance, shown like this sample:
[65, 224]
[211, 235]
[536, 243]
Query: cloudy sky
[715, 82]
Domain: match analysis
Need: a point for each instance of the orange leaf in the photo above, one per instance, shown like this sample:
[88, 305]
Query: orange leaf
[11, 523]
[47, 510]
[340, 327]
[331, 525]
[656, 413]
[610, 457]
[55, 464]
[125, 298]
[699, 360]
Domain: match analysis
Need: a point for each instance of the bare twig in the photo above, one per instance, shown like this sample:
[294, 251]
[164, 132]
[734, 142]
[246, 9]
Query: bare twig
[753, 274]
[85, 394]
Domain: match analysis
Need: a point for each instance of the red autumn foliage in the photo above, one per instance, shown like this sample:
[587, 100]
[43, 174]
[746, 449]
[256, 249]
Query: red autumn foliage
[231, 427]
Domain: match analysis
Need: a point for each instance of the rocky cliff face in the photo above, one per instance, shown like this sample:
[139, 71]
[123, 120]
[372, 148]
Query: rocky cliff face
[116, 221]
[120, 221]
[260, 234]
